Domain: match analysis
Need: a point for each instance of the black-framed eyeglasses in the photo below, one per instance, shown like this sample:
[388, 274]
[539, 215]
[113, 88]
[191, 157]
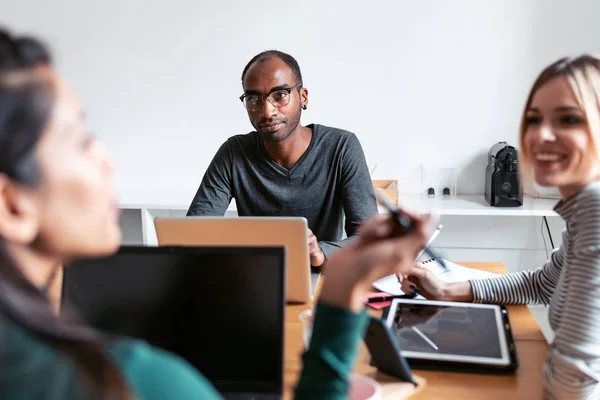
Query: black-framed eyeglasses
[278, 98]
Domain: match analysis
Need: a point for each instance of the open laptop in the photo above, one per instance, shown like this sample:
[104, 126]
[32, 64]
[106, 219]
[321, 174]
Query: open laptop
[291, 232]
[222, 309]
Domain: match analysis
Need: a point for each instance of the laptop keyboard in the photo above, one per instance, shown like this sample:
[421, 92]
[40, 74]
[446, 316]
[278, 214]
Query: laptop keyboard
[250, 396]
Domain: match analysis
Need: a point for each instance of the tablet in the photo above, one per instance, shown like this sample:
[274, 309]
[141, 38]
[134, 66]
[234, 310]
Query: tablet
[453, 336]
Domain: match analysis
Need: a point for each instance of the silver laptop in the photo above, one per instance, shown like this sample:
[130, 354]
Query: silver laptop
[291, 232]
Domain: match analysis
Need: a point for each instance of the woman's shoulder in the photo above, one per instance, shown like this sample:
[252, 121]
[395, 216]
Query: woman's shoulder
[589, 196]
[31, 368]
[584, 225]
[156, 374]
[18, 342]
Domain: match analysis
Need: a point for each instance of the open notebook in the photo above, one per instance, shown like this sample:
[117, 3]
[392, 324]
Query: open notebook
[455, 273]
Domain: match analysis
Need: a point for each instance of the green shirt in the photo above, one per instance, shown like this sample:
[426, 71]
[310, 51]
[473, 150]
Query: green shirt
[33, 369]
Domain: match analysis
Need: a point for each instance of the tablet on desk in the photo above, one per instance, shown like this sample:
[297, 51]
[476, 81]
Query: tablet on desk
[453, 336]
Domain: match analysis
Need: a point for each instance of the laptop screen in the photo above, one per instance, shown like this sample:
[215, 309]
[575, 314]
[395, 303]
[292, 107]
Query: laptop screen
[222, 309]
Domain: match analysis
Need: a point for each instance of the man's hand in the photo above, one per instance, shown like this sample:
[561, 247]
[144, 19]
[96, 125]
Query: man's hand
[317, 257]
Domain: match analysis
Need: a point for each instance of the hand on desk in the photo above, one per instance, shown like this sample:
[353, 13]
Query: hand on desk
[317, 257]
[432, 287]
[376, 253]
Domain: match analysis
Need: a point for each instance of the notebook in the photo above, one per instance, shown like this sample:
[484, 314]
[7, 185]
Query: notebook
[455, 273]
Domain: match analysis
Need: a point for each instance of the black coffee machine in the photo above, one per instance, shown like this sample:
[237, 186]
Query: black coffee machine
[503, 187]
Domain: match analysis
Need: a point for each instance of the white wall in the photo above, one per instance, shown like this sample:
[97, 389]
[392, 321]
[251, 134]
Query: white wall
[428, 81]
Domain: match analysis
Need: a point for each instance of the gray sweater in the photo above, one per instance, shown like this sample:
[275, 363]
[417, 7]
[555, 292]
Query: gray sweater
[329, 181]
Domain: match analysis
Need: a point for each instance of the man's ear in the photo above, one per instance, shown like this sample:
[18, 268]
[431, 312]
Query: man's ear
[19, 220]
[304, 97]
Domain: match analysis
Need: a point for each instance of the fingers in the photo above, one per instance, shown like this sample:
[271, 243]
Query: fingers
[412, 279]
[378, 252]
[424, 225]
[383, 226]
[418, 272]
[317, 257]
[386, 256]
[376, 227]
[407, 286]
[313, 243]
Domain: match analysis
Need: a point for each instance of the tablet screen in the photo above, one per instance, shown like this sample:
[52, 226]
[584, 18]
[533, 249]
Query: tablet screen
[449, 331]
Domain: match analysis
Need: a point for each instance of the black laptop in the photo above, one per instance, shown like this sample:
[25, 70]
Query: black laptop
[220, 308]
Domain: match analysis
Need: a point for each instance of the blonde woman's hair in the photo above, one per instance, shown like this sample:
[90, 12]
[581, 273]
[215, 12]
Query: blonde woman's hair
[583, 75]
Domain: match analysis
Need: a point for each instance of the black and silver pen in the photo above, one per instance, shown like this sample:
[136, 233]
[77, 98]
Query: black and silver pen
[405, 225]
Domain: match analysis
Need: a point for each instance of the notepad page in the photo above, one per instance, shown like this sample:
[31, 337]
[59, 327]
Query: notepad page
[455, 273]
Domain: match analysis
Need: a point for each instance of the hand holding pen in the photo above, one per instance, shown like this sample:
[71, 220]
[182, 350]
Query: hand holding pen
[405, 225]
[377, 251]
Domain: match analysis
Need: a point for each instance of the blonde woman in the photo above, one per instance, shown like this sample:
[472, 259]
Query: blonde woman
[560, 147]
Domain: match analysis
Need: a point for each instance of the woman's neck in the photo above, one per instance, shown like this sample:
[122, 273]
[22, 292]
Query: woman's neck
[36, 266]
[566, 192]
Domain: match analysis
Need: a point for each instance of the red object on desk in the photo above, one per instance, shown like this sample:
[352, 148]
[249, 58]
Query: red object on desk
[381, 304]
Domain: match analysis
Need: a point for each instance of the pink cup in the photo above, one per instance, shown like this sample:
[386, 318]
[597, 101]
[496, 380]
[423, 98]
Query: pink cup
[364, 388]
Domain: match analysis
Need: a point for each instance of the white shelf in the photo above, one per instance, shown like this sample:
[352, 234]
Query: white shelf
[152, 206]
[476, 205]
[461, 205]
[160, 201]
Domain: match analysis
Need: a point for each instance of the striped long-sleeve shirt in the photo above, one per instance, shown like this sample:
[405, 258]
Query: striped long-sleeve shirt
[570, 284]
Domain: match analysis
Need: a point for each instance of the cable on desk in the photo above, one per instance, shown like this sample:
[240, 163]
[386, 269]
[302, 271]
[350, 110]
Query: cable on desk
[544, 239]
[549, 234]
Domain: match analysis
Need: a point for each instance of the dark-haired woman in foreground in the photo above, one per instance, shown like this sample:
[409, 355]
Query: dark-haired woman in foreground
[57, 203]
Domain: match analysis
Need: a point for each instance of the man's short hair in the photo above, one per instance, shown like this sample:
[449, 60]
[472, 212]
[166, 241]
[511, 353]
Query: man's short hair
[269, 54]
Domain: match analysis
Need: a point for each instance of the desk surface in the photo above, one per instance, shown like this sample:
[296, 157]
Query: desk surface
[525, 384]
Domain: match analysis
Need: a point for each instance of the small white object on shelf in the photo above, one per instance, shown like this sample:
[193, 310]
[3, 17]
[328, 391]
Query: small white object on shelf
[437, 178]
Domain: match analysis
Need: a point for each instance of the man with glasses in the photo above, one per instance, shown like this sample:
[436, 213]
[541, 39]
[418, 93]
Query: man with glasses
[286, 169]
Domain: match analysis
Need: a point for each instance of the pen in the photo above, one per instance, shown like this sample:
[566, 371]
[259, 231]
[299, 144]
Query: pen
[373, 170]
[433, 236]
[405, 225]
[384, 297]
[431, 239]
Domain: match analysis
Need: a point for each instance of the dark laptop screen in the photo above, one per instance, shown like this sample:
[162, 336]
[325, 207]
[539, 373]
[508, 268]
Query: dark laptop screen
[222, 309]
